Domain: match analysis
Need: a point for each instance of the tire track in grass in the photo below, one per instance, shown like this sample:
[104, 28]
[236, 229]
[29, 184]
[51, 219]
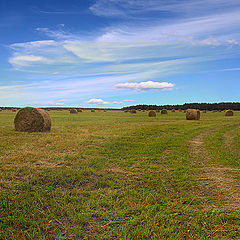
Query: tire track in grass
[228, 139]
[213, 178]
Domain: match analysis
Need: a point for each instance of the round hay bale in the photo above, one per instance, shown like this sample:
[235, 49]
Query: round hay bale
[14, 110]
[152, 114]
[163, 111]
[173, 110]
[31, 119]
[192, 114]
[180, 110]
[73, 111]
[133, 111]
[229, 113]
[92, 110]
[79, 110]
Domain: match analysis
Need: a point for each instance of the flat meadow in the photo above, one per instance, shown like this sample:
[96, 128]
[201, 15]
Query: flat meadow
[117, 175]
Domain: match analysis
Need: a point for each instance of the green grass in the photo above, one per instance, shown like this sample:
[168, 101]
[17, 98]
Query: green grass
[114, 175]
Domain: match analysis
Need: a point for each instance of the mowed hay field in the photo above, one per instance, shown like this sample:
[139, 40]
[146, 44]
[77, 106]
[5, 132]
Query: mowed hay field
[117, 175]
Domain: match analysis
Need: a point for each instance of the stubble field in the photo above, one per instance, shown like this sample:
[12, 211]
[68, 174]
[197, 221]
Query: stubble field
[116, 175]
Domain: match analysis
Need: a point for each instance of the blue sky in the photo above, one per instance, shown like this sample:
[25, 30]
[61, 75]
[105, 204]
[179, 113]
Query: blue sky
[114, 53]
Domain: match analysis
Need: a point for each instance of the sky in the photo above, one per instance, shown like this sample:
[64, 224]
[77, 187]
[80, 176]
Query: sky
[116, 53]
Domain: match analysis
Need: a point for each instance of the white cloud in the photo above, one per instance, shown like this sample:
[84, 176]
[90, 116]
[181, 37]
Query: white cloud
[149, 85]
[128, 100]
[97, 101]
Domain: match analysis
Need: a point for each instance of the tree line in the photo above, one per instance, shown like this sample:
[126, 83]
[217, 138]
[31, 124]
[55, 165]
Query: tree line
[201, 106]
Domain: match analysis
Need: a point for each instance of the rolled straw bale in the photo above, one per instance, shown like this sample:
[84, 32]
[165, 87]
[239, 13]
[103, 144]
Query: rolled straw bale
[163, 111]
[152, 114]
[192, 114]
[229, 113]
[31, 119]
[73, 111]
[133, 111]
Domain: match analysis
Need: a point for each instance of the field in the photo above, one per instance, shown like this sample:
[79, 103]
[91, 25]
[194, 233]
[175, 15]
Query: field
[116, 175]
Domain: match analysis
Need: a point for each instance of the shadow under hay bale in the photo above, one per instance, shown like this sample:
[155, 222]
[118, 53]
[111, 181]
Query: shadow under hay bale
[192, 114]
[164, 111]
[229, 113]
[73, 111]
[31, 119]
[152, 114]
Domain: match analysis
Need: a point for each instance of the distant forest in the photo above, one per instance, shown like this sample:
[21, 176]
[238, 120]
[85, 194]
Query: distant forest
[200, 106]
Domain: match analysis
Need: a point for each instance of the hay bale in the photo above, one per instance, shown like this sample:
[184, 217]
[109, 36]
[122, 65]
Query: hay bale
[180, 110]
[79, 110]
[73, 111]
[173, 110]
[204, 111]
[14, 110]
[31, 119]
[163, 111]
[133, 111]
[92, 110]
[152, 114]
[229, 113]
[192, 114]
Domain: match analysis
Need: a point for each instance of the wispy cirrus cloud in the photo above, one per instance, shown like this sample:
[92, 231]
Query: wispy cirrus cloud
[49, 103]
[142, 9]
